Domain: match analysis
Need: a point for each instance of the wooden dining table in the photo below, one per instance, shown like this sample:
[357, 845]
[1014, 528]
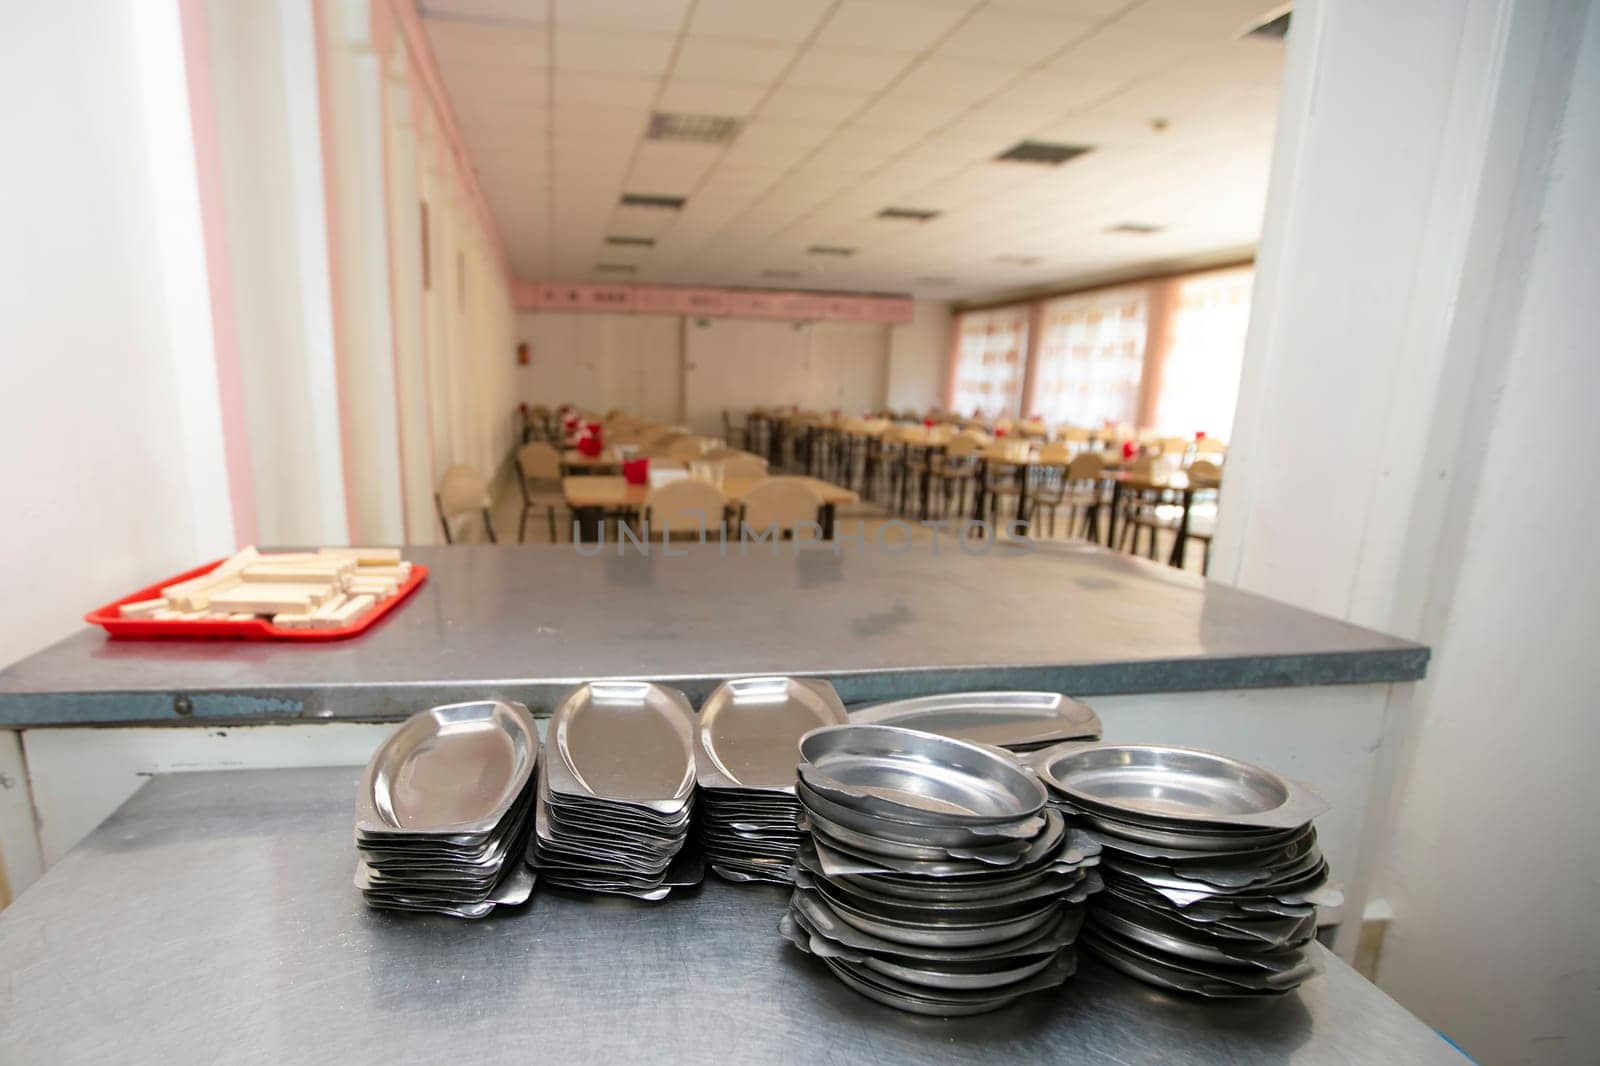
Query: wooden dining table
[609, 461]
[1152, 481]
[592, 498]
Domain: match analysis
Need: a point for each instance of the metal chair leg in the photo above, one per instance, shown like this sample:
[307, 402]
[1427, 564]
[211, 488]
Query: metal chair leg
[522, 526]
[488, 526]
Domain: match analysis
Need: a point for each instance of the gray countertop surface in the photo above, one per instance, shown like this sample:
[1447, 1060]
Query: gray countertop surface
[526, 623]
[213, 918]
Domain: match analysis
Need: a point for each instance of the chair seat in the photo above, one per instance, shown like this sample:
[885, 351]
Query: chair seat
[546, 498]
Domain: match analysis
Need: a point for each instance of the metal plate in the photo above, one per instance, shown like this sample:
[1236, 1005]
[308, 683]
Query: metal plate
[1008, 719]
[1182, 786]
[914, 776]
[452, 770]
[623, 741]
[749, 730]
[916, 833]
[812, 913]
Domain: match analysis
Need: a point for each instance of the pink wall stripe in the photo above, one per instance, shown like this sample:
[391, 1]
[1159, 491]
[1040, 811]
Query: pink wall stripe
[219, 269]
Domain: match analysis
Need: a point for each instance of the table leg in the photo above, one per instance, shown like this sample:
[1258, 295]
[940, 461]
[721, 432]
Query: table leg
[826, 517]
[1181, 536]
[589, 519]
[980, 479]
[1111, 519]
[927, 484]
[1022, 500]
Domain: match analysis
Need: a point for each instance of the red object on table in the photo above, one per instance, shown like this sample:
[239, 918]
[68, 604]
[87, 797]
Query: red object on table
[255, 629]
[590, 446]
[1199, 434]
[1129, 449]
[1001, 431]
[927, 423]
[637, 471]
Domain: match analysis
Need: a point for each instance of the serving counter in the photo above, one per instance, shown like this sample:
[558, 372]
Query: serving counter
[212, 918]
[1162, 656]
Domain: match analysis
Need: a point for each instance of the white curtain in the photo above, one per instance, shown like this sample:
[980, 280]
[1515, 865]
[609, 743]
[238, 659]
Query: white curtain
[1091, 358]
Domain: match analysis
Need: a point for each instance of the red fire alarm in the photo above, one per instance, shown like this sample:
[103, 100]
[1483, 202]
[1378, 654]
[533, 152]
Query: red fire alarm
[523, 357]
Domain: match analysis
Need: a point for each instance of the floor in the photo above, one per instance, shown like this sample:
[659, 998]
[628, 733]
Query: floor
[873, 517]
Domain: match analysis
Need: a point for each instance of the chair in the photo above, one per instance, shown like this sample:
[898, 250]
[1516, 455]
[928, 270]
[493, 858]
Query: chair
[1002, 477]
[540, 417]
[741, 465]
[956, 469]
[733, 434]
[683, 508]
[783, 503]
[1078, 488]
[539, 478]
[1210, 446]
[462, 491]
[688, 447]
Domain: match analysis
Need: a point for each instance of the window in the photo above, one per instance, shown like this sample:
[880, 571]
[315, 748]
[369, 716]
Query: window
[1091, 358]
[990, 362]
[1199, 375]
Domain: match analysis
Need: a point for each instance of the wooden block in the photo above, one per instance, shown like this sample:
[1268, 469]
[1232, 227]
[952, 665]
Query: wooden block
[196, 594]
[398, 572]
[262, 598]
[167, 615]
[297, 573]
[348, 612]
[367, 556]
[194, 616]
[329, 606]
[293, 620]
[241, 616]
[381, 588]
[143, 608]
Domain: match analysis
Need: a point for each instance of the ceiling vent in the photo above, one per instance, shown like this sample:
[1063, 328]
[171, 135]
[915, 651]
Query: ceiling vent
[693, 129]
[1044, 153]
[1274, 28]
[668, 203]
[1018, 260]
[831, 249]
[910, 214]
[1135, 227]
[615, 268]
[632, 242]
[775, 272]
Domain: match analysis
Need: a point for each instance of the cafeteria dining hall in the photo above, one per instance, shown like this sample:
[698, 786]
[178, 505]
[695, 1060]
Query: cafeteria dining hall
[781, 531]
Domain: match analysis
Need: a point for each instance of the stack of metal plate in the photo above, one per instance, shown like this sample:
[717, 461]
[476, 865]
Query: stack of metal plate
[747, 742]
[613, 803]
[933, 877]
[444, 811]
[1016, 721]
[1212, 870]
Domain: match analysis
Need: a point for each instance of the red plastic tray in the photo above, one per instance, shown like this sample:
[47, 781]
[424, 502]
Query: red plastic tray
[255, 629]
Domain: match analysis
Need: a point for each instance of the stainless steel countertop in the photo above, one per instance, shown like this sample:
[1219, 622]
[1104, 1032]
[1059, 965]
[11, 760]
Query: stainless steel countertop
[212, 918]
[526, 623]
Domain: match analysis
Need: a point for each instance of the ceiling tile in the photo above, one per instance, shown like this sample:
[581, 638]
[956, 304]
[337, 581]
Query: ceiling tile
[574, 89]
[812, 105]
[1016, 39]
[760, 20]
[709, 59]
[846, 70]
[710, 97]
[654, 16]
[951, 79]
[900, 27]
[893, 111]
[609, 52]
[1117, 51]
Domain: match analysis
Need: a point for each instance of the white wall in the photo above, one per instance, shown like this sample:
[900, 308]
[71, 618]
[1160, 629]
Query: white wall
[93, 447]
[672, 369]
[1505, 749]
[1416, 396]
[604, 361]
[918, 354]
[110, 437]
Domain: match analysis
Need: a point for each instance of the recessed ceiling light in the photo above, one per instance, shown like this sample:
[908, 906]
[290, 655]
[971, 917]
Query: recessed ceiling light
[639, 199]
[696, 129]
[779, 273]
[632, 242]
[615, 268]
[1042, 152]
[911, 214]
[830, 249]
[1018, 260]
[1135, 227]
